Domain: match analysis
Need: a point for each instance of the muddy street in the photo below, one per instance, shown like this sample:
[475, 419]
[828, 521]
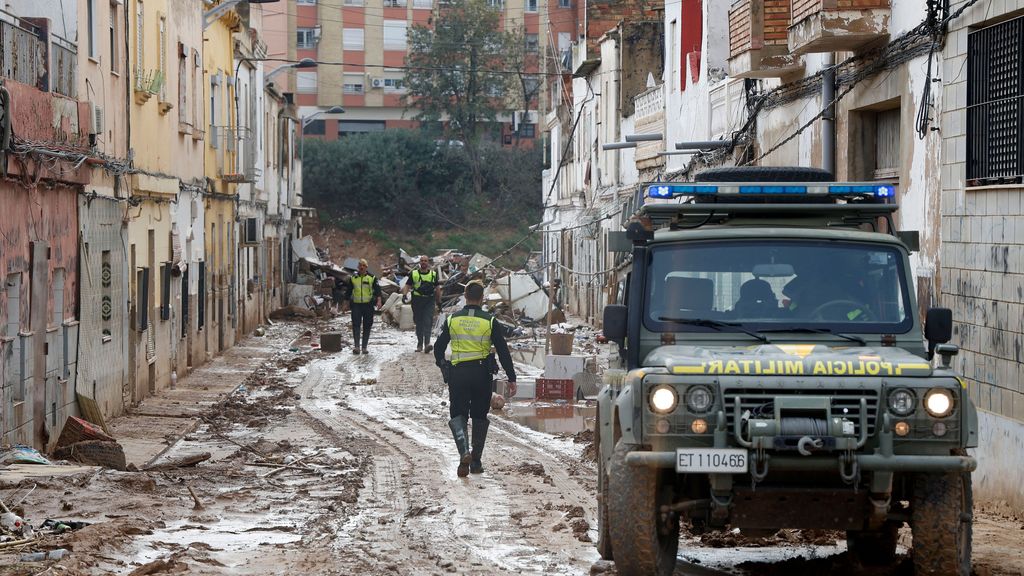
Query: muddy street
[329, 463]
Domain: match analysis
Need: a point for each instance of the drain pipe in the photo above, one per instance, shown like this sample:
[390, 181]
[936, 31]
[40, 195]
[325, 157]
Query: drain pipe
[828, 121]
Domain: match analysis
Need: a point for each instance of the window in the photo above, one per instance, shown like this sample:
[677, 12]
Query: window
[165, 291]
[394, 3]
[140, 43]
[423, 4]
[113, 40]
[305, 82]
[306, 2]
[141, 299]
[58, 296]
[496, 3]
[201, 297]
[564, 4]
[251, 233]
[531, 5]
[532, 42]
[995, 104]
[395, 34]
[394, 84]
[16, 363]
[305, 38]
[527, 130]
[197, 98]
[532, 85]
[315, 128]
[887, 144]
[90, 8]
[182, 84]
[354, 2]
[353, 84]
[184, 304]
[163, 57]
[347, 127]
[352, 38]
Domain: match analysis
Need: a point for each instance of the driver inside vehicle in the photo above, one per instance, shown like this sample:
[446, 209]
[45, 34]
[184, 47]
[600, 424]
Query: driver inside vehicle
[828, 292]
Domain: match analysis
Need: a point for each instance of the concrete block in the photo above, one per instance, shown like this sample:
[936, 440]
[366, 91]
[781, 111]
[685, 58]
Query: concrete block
[563, 367]
[1000, 450]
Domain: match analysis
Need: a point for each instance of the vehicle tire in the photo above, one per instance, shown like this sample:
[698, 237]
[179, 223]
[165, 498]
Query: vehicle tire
[765, 174]
[604, 538]
[941, 522]
[644, 545]
[874, 547]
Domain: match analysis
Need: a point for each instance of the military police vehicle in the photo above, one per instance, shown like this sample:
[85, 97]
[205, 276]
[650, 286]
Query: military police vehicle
[778, 375]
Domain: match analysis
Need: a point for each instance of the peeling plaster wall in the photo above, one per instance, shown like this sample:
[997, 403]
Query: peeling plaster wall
[982, 272]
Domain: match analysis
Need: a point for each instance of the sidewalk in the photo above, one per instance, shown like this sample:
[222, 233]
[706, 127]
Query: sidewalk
[152, 427]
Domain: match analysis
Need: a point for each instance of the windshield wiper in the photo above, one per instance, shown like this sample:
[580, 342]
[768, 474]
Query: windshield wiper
[829, 331]
[716, 324]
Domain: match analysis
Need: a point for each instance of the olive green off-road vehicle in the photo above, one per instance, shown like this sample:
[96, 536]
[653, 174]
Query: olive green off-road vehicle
[777, 374]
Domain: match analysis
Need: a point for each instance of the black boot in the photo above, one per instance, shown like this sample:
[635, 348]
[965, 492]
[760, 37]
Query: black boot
[479, 437]
[458, 426]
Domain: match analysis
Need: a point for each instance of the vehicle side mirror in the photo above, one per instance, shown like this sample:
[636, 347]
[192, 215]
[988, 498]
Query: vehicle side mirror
[615, 322]
[938, 328]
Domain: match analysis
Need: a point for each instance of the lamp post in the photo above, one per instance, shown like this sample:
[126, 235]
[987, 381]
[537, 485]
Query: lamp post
[300, 65]
[306, 120]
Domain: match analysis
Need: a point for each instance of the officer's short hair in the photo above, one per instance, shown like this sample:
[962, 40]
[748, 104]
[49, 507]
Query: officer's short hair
[474, 291]
[363, 262]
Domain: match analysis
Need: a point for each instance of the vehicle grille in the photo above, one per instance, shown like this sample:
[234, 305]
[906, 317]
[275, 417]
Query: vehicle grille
[842, 399]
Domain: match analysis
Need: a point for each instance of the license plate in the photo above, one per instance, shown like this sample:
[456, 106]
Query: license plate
[719, 460]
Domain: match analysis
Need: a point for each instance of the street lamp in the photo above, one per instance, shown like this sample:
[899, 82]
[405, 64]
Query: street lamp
[211, 15]
[306, 120]
[300, 65]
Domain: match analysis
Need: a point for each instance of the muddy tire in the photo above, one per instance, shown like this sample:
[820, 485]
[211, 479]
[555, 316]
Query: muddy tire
[874, 547]
[941, 522]
[764, 174]
[644, 545]
[604, 538]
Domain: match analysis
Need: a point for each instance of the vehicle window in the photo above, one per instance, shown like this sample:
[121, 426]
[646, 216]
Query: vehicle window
[844, 286]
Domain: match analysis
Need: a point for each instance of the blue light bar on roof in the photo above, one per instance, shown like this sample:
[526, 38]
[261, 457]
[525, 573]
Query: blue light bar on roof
[841, 190]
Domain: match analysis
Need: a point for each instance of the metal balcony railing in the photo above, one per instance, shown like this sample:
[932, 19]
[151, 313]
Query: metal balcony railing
[22, 52]
[63, 66]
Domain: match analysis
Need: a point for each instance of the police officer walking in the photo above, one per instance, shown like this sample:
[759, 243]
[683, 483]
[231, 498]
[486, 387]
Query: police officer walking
[471, 332]
[425, 296]
[365, 291]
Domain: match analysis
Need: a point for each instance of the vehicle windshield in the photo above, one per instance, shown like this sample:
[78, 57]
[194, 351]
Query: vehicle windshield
[774, 285]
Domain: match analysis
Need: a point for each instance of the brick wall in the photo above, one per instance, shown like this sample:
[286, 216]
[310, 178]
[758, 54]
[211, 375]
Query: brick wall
[982, 257]
[776, 22]
[804, 8]
[754, 24]
[740, 28]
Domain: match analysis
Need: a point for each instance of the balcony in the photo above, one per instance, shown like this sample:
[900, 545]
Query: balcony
[31, 55]
[650, 119]
[236, 154]
[837, 25]
[759, 40]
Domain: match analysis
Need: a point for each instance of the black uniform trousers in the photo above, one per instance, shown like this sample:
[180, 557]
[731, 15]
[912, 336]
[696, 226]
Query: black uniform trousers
[423, 317]
[469, 390]
[362, 320]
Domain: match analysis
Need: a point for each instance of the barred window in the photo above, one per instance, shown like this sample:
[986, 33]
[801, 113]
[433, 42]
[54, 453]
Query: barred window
[995, 104]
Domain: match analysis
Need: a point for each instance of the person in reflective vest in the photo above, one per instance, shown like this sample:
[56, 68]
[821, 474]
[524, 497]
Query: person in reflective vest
[425, 297]
[364, 293]
[471, 333]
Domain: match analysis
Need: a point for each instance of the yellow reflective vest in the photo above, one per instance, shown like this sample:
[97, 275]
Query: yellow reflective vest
[362, 289]
[418, 278]
[471, 335]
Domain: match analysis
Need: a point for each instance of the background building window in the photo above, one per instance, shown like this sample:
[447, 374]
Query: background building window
[306, 2]
[348, 127]
[353, 84]
[995, 104]
[305, 82]
[564, 4]
[353, 2]
[423, 4]
[532, 42]
[531, 5]
[315, 128]
[305, 38]
[114, 38]
[527, 130]
[395, 34]
[352, 38]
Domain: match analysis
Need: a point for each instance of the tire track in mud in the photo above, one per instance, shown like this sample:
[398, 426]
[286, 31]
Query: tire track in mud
[441, 521]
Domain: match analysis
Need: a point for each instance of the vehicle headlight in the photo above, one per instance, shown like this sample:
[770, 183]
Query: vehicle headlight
[664, 399]
[939, 402]
[699, 399]
[901, 402]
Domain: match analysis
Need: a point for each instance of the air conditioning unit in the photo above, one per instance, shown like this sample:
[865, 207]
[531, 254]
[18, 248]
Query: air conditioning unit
[96, 125]
[376, 82]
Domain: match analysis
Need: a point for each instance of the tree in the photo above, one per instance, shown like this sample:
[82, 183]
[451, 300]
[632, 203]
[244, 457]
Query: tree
[456, 74]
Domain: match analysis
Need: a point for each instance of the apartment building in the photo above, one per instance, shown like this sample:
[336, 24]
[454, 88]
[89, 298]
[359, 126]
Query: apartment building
[361, 46]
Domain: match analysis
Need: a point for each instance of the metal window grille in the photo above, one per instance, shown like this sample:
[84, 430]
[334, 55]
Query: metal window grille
[995, 104]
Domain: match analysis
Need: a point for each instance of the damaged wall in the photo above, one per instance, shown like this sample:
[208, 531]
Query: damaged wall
[643, 46]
